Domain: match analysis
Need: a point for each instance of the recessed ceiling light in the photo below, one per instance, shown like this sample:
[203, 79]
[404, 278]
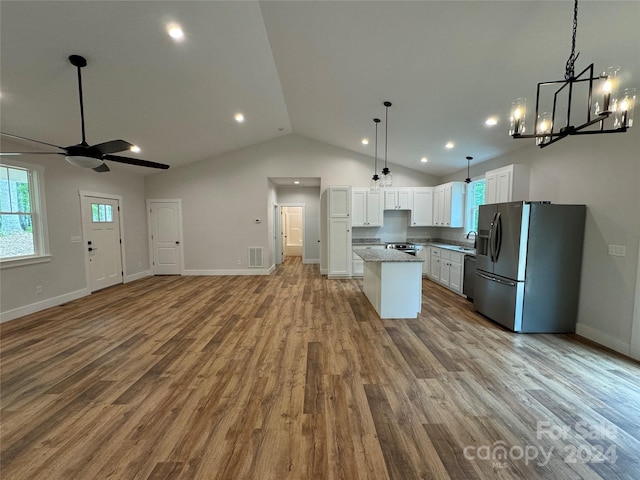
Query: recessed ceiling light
[365, 141]
[424, 159]
[175, 31]
[297, 182]
[449, 145]
[491, 121]
[239, 118]
[135, 149]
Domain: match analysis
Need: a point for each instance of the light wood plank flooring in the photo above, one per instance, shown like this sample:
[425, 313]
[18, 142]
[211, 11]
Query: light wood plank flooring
[293, 376]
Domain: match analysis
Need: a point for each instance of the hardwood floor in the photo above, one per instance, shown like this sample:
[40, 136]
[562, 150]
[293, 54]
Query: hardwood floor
[293, 376]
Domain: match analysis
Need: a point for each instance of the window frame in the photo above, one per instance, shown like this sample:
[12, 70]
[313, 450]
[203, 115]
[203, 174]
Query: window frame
[35, 174]
[469, 208]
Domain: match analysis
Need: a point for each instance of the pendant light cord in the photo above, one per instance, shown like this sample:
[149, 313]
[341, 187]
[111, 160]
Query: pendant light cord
[386, 133]
[570, 66]
[375, 156]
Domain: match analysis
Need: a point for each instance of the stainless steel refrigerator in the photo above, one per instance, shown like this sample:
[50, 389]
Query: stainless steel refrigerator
[529, 257]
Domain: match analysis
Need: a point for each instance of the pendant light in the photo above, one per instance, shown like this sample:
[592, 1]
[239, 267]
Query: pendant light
[468, 179]
[375, 180]
[387, 176]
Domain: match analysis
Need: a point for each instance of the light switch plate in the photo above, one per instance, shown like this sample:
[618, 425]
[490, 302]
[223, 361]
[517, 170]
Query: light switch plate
[617, 250]
[77, 239]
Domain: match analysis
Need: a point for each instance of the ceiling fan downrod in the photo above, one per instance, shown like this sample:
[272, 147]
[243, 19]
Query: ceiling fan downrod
[79, 61]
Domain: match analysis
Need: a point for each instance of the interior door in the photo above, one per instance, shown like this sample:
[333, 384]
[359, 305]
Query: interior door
[293, 231]
[101, 230]
[166, 234]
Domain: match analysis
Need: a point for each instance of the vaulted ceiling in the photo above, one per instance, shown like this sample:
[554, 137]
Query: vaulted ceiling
[321, 69]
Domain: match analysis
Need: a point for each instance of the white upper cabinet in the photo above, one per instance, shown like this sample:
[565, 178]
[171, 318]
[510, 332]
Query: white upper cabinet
[366, 208]
[339, 201]
[507, 184]
[422, 211]
[448, 205]
[398, 199]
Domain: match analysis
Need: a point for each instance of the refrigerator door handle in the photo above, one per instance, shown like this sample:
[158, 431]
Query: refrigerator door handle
[491, 238]
[498, 240]
[497, 280]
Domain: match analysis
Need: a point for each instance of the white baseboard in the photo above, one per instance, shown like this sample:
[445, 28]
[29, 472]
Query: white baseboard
[604, 339]
[323, 271]
[44, 304]
[137, 276]
[248, 271]
[311, 261]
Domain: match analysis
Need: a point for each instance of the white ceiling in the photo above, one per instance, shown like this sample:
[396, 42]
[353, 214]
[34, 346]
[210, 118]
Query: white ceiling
[319, 69]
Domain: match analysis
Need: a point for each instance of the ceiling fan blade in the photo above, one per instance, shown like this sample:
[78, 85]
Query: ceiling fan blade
[31, 153]
[101, 168]
[135, 161]
[10, 135]
[113, 146]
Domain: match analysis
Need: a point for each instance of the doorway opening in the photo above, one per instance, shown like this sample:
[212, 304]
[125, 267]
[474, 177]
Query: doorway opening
[292, 229]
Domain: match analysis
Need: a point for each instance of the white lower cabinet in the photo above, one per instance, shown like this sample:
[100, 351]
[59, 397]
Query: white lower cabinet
[357, 269]
[447, 268]
[425, 254]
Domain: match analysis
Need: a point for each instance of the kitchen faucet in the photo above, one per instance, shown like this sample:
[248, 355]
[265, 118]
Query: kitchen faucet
[475, 237]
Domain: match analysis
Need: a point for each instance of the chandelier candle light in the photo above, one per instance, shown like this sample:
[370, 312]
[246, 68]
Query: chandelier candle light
[375, 180]
[610, 103]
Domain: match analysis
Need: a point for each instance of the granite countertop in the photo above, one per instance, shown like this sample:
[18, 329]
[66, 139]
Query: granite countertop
[385, 255]
[455, 248]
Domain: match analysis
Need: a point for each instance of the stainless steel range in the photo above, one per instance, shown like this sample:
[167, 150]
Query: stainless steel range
[409, 248]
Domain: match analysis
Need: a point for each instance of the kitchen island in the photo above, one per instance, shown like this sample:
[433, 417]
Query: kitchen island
[392, 282]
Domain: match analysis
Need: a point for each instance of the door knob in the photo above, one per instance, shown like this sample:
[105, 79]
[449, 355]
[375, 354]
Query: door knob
[177, 243]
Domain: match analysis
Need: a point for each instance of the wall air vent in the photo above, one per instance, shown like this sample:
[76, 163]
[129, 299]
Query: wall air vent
[255, 257]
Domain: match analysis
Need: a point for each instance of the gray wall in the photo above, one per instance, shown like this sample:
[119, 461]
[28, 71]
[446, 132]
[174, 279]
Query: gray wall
[64, 276]
[602, 172]
[222, 196]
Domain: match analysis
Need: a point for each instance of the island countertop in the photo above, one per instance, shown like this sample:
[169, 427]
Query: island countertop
[385, 255]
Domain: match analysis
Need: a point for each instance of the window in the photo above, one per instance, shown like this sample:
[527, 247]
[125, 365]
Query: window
[475, 198]
[22, 222]
[101, 213]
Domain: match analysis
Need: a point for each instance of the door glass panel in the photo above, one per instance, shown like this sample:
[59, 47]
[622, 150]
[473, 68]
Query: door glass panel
[101, 213]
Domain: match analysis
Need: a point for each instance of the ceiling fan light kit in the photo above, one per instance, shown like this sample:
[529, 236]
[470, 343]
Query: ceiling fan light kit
[607, 108]
[84, 155]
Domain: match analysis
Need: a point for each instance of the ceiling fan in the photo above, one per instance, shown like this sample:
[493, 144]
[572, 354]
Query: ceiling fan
[83, 154]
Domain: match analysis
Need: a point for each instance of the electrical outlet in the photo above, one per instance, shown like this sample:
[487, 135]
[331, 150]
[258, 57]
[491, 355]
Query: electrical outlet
[617, 250]
[239, 262]
[39, 289]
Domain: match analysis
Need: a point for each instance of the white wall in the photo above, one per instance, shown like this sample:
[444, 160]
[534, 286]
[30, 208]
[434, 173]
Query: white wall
[222, 196]
[64, 277]
[603, 172]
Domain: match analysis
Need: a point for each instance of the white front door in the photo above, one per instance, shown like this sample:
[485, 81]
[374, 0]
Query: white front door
[165, 227]
[101, 230]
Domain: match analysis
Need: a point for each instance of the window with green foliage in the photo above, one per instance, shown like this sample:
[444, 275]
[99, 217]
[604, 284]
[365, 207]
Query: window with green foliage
[475, 198]
[21, 231]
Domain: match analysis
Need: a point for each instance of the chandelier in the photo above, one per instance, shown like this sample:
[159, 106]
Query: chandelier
[606, 107]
